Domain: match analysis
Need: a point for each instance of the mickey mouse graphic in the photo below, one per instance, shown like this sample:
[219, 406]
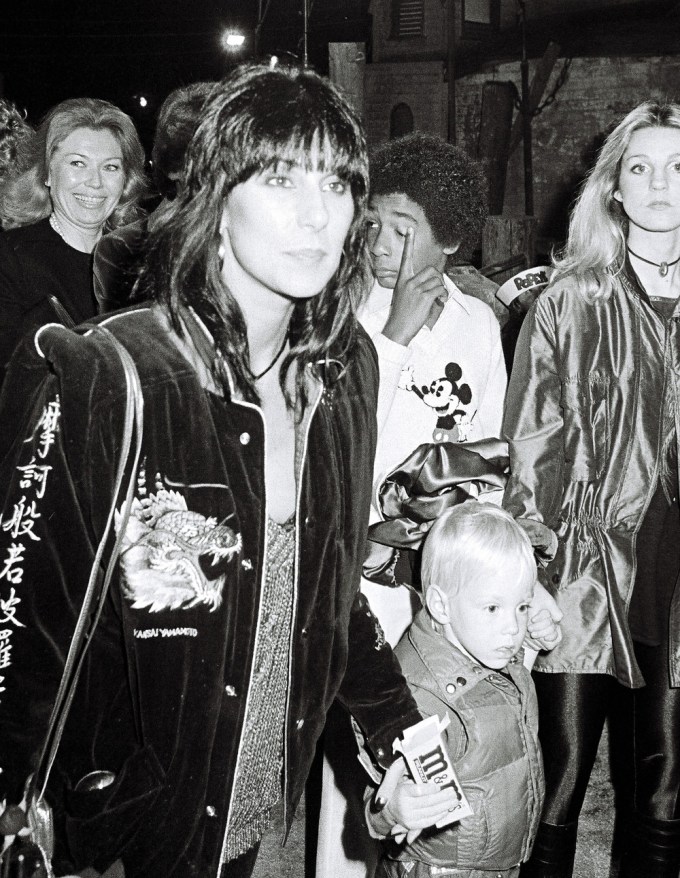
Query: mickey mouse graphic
[446, 396]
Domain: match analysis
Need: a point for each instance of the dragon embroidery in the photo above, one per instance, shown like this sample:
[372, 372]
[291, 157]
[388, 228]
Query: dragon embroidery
[173, 558]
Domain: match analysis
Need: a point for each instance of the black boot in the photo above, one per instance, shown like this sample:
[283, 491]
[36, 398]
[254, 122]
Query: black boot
[652, 849]
[553, 853]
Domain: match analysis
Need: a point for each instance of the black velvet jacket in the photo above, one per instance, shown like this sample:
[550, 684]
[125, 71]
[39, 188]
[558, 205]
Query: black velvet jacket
[162, 698]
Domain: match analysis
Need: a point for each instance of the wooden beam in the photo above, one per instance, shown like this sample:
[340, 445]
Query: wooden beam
[542, 75]
[450, 72]
[494, 137]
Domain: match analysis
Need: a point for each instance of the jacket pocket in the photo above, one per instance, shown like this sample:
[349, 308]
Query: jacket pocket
[101, 821]
[473, 832]
[585, 407]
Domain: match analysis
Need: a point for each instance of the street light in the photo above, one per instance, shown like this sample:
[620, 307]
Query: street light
[232, 41]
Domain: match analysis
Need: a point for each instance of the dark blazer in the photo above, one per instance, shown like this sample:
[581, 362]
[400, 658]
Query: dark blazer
[163, 696]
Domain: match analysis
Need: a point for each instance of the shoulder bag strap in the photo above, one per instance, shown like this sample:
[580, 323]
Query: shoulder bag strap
[97, 588]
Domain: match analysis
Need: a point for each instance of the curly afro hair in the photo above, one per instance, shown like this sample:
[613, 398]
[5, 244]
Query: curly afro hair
[444, 181]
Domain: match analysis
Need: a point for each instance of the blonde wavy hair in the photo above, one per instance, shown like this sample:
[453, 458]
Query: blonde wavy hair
[26, 200]
[596, 244]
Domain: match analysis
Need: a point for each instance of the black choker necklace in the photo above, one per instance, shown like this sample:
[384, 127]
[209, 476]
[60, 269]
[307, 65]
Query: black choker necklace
[662, 266]
[276, 357]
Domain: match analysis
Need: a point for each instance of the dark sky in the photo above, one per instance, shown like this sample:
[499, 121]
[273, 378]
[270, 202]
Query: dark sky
[123, 49]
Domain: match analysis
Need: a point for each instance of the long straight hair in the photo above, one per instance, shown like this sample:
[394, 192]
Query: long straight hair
[257, 117]
[596, 245]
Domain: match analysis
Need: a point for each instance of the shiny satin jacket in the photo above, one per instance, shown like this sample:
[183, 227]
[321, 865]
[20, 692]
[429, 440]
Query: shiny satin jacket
[492, 741]
[583, 422]
[162, 698]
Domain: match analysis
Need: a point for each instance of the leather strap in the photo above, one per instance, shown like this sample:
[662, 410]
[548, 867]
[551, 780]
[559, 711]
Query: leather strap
[97, 588]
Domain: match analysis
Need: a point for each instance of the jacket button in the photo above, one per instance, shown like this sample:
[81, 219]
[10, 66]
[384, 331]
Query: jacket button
[309, 521]
[230, 691]
[450, 688]
[304, 632]
[299, 724]
[461, 681]
[244, 438]
[555, 578]
[380, 752]
[211, 811]
[247, 564]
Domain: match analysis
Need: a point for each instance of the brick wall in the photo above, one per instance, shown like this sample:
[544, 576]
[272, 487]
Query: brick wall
[566, 135]
[420, 85]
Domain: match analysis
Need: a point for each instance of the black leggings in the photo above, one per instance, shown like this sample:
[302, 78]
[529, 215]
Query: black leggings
[645, 725]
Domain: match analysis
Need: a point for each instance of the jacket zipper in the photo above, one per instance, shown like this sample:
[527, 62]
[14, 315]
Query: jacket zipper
[286, 724]
[223, 851]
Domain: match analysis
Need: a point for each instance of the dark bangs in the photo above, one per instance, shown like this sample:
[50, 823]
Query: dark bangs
[285, 116]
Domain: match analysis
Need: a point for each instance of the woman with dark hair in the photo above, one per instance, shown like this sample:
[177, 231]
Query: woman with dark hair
[118, 256]
[85, 176]
[234, 619]
[592, 419]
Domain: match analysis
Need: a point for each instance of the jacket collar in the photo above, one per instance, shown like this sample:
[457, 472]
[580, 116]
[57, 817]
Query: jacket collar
[452, 671]
[631, 281]
[198, 346]
[380, 297]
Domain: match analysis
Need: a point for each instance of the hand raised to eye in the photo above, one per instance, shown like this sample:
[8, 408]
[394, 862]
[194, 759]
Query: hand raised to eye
[414, 296]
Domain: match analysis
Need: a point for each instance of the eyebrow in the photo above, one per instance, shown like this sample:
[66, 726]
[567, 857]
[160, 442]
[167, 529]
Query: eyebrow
[400, 213]
[405, 215]
[498, 598]
[85, 155]
[644, 155]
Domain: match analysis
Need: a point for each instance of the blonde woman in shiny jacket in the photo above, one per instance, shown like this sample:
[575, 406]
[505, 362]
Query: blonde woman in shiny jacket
[592, 424]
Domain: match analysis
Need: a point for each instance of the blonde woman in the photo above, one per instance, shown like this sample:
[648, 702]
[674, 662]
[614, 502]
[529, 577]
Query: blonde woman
[84, 176]
[592, 423]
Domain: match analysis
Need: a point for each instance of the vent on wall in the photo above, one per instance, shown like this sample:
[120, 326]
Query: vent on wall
[407, 19]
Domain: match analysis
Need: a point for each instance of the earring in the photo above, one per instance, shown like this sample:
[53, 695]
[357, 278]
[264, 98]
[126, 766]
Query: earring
[221, 252]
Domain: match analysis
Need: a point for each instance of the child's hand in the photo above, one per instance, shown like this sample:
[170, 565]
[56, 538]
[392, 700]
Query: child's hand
[543, 632]
[414, 296]
[406, 807]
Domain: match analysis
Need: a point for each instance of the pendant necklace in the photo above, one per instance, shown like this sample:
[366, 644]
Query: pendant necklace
[662, 266]
[273, 362]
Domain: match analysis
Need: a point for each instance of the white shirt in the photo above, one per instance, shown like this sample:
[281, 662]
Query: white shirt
[447, 385]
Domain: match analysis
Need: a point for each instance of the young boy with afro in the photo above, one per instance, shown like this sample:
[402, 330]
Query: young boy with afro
[442, 371]
[442, 379]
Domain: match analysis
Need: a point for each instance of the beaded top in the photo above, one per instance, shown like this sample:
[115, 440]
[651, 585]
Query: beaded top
[257, 785]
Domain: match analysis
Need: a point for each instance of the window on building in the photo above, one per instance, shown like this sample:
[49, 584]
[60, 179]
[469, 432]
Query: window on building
[407, 19]
[401, 121]
[481, 19]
